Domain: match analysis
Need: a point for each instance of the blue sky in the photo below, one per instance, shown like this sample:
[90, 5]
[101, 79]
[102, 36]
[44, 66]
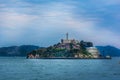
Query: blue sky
[45, 22]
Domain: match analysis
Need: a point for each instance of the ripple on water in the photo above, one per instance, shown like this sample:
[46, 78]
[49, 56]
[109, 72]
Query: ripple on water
[45, 69]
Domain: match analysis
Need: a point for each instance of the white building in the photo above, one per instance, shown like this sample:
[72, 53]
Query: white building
[94, 51]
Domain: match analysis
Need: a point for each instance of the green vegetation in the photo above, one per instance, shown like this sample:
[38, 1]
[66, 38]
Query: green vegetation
[68, 50]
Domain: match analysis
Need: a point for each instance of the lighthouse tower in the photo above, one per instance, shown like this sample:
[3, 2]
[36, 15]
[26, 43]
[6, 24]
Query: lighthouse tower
[66, 36]
[66, 40]
[65, 43]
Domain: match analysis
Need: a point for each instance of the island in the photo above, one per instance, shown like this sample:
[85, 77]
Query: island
[67, 49]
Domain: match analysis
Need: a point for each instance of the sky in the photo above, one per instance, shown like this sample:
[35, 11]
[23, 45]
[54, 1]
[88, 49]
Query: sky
[45, 22]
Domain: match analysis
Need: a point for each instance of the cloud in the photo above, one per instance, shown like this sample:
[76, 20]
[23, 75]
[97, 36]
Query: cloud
[12, 25]
[111, 2]
[15, 19]
[43, 23]
[89, 30]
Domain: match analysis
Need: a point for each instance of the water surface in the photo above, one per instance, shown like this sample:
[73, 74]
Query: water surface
[59, 69]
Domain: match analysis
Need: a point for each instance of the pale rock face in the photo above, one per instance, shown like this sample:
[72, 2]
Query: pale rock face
[94, 51]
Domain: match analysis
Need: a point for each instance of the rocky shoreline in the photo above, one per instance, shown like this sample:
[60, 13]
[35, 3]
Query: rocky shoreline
[72, 58]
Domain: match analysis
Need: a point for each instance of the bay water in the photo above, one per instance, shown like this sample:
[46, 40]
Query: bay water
[20, 68]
